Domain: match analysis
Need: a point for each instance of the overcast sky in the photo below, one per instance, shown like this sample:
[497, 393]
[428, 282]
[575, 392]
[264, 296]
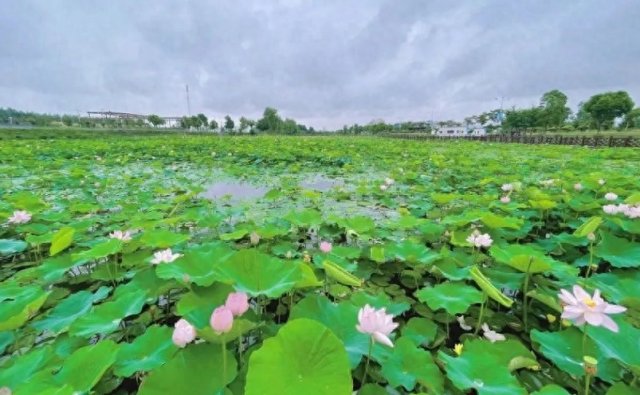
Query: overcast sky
[325, 62]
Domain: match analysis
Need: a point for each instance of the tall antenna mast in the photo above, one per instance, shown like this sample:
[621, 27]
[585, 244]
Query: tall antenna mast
[188, 102]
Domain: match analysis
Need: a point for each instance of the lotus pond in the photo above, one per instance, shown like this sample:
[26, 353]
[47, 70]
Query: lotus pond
[172, 264]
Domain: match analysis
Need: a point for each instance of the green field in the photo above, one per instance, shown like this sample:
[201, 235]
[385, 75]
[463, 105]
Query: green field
[81, 311]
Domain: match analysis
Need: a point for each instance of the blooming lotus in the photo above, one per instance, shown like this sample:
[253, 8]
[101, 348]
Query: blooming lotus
[20, 217]
[383, 187]
[389, 181]
[492, 335]
[577, 186]
[611, 196]
[376, 323]
[120, 235]
[601, 181]
[507, 187]
[183, 333]
[580, 307]
[164, 256]
[221, 320]
[238, 303]
[254, 238]
[326, 247]
[480, 239]
[505, 199]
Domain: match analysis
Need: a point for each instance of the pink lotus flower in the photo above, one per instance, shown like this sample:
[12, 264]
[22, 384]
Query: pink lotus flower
[610, 209]
[580, 307]
[507, 187]
[326, 247]
[505, 199]
[480, 240]
[183, 333]
[611, 196]
[20, 217]
[376, 323]
[577, 186]
[164, 256]
[237, 303]
[221, 320]
[383, 187]
[120, 235]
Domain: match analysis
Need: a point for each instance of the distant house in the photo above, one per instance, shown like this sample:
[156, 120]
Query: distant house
[460, 131]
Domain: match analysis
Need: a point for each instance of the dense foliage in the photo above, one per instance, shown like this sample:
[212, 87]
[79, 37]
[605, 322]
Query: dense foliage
[119, 276]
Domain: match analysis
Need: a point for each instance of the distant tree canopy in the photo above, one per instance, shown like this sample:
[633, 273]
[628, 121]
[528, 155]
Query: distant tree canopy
[213, 124]
[551, 113]
[271, 122]
[229, 125]
[155, 120]
[604, 108]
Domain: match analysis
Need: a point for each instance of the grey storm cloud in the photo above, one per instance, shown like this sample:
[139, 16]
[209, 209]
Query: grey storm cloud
[325, 63]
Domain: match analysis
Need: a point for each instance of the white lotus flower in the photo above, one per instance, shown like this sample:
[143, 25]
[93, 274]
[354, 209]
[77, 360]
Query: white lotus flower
[463, 324]
[383, 187]
[120, 235]
[491, 335]
[581, 308]
[164, 256]
[611, 196]
[480, 239]
[376, 323]
[389, 181]
[507, 187]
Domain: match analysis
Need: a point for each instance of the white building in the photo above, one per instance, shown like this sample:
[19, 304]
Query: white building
[460, 131]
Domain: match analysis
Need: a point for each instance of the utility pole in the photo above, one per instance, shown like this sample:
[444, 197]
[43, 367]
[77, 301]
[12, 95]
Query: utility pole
[188, 102]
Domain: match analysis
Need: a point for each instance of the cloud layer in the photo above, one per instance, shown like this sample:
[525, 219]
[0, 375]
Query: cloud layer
[325, 63]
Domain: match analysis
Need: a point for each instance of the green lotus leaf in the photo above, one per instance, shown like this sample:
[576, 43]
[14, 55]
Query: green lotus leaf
[496, 221]
[235, 235]
[589, 226]
[197, 305]
[551, 389]
[100, 250]
[454, 298]
[618, 251]
[161, 238]
[304, 357]
[618, 286]
[61, 240]
[622, 389]
[256, 273]
[194, 370]
[59, 318]
[420, 331]
[411, 252]
[147, 352]
[83, 369]
[18, 304]
[197, 265]
[409, 364]
[10, 247]
[106, 317]
[524, 258]
[20, 369]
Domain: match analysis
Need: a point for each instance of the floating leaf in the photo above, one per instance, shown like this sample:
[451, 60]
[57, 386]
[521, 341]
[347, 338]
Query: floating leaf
[147, 352]
[455, 298]
[61, 240]
[409, 364]
[304, 357]
[618, 251]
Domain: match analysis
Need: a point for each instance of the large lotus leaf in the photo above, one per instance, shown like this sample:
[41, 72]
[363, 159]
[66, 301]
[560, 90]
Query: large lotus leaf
[411, 252]
[305, 357]
[197, 265]
[618, 286]
[58, 319]
[197, 305]
[10, 246]
[522, 257]
[106, 317]
[454, 297]
[622, 346]
[84, 368]
[18, 304]
[194, 370]
[148, 351]
[621, 389]
[497, 221]
[484, 372]
[259, 274]
[235, 235]
[145, 280]
[20, 369]
[304, 218]
[161, 238]
[61, 240]
[511, 353]
[360, 224]
[420, 331]
[100, 250]
[618, 251]
[341, 318]
[565, 350]
[409, 364]
[6, 338]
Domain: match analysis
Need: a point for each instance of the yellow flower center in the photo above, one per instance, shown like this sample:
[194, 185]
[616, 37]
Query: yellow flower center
[458, 349]
[589, 302]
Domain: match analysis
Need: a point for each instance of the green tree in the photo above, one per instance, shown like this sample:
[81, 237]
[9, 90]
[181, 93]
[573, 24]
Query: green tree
[554, 110]
[245, 124]
[632, 119]
[228, 123]
[203, 120]
[604, 108]
[270, 121]
[213, 124]
[289, 126]
[67, 120]
[155, 120]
